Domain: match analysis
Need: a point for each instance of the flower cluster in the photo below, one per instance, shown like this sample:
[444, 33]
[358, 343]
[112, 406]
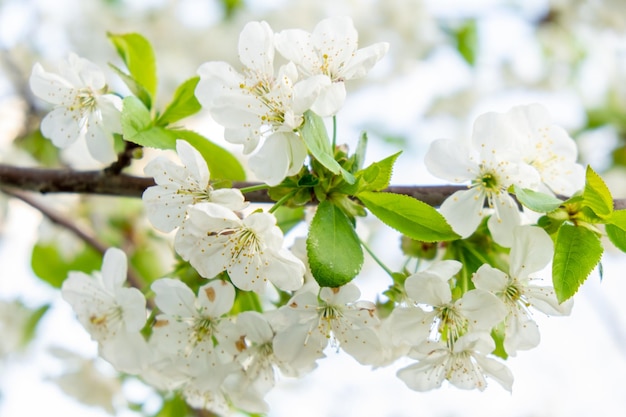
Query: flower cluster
[221, 338]
[268, 105]
[519, 148]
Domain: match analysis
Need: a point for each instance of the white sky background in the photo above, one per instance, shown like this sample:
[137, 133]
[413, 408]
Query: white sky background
[577, 370]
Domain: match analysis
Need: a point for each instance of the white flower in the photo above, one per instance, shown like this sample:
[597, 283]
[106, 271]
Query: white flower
[259, 104]
[492, 164]
[476, 310]
[531, 251]
[465, 364]
[330, 50]
[102, 304]
[214, 239]
[112, 314]
[82, 109]
[310, 322]
[180, 186]
[544, 146]
[191, 327]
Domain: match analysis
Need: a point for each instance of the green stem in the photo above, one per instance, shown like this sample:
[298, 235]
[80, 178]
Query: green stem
[283, 200]
[254, 188]
[334, 133]
[376, 259]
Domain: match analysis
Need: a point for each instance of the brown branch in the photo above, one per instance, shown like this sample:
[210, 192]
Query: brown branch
[60, 220]
[100, 182]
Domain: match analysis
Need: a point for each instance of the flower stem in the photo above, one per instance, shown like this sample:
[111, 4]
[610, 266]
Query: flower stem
[254, 188]
[283, 200]
[334, 133]
[376, 259]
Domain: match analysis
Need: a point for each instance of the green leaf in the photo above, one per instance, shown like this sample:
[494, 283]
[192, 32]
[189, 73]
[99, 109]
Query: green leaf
[333, 247]
[31, 324]
[183, 104]
[287, 218]
[467, 41]
[617, 236]
[137, 54]
[135, 117]
[618, 219]
[246, 301]
[359, 153]
[52, 267]
[409, 216]
[536, 201]
[577, 251]
[134, 87]
[175, 406]
[376, 177]
[616, 229]
[316, 138]
[222, 164]
[597, 195]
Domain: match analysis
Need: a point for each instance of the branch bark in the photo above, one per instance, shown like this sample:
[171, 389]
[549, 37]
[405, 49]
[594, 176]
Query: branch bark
[106, 183]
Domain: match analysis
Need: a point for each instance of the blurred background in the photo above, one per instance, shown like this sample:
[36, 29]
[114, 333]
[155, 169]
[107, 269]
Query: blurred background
[449, 61]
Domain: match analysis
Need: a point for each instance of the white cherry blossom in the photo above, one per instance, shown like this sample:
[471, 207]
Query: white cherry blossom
[330, 50]
[475, 310]
[336, 315]
[180, 186]
[214, 239]
[464, 364]
[260, 105]
[491, 164]
[111, 313]
[82, 108]
[101, 302]
[543, 145]
[191, 327]
[531, 252]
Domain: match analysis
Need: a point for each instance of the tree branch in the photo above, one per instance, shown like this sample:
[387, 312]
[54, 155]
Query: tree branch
[122, 185]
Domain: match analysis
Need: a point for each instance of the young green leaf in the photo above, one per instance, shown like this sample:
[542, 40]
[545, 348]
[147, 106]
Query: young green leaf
[597, 195]
[333, 247]
[183, 104]
[409, 216]
[536, 201]
[137, 126]
[137, 54]
[376, 177]
[316, 138]
[617, 236]
[135, 88]
[577, 251]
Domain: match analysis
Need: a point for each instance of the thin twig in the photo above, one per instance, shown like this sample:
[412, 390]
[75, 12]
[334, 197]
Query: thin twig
[60, 220]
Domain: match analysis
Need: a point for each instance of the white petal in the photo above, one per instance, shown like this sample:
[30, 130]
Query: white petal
[423, 376]
[50, 87]
[483, 309]
[531, 251]
[165, 208]
[496, 370]
[114, 268]
[256, 47]
[504, 220]
[490, 279]
[544, 299]
[133, 304]
[216, 298]
[363, 61]
[450, 160]
[281, 154]
[216, 79]
[285, 270]
[521, 333]
[100, 141]
[330, 99]
[295, 45]
[173, 297]
[62, 127]
[231, 198]
[410, 324]
[426, 288]
[194, 163]
[464, 211]
[255, 327]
